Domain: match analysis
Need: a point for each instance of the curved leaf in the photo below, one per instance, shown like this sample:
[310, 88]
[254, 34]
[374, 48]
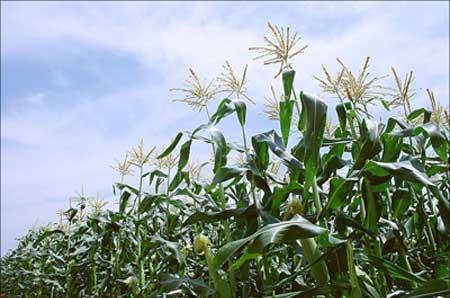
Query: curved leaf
[172, 146]
[408, 170]
[241, 111]
[209, 217]
[274, 142]
[296, 228]
[312, 123]
[224, 109]
[227, 173]
[431, 288]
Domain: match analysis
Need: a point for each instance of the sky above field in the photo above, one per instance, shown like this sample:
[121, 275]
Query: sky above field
[82, 82]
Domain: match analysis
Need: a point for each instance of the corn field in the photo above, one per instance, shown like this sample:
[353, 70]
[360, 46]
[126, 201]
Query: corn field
[358, 208]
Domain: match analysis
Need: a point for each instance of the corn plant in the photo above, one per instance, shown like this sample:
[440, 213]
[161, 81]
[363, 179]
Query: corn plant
[359, 208]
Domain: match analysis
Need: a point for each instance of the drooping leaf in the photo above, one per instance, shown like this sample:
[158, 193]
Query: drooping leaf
[344, 220]
[130, 188]
[123, 201]
[155, 173]
[220, 147]
[224, 109]
[443, 205]
[173, 246]
[408, 170]
[241, 111]
[312, 123]
[209, 217]
[296, 228]
[170, 282]
[227, 173]
[371, 143]
[199, 286]
[275, 144]
[431, 288]
[419, 112]
[394, 270]
[341, 111]
[438, 140]
[148, 201]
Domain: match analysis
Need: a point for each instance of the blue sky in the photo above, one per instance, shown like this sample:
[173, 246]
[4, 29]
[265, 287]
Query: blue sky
[82, 82]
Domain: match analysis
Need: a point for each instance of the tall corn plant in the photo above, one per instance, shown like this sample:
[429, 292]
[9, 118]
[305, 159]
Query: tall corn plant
[356, 209]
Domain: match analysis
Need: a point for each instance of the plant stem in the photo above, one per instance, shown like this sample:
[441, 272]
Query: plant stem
[316, 195]
[373, 246]
[311, 251]
[138, 234]
[355, 290]
[220, 285]
[167, 204]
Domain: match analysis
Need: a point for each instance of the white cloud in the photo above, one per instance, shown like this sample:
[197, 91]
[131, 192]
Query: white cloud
[36, 99]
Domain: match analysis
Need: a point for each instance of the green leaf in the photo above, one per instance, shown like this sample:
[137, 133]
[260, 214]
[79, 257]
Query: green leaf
[338, 141]
[220, 147]
[312, 123]
[200, 287]
[241, 111]
[429, 130]
[280, 194]
[261, 149]
[408, 170]
[130, 188]
[274, 142]
[311, 292]
[227, 173]
[372, 204]
[123, 201]
[209, 217]
[179, 177]
[342, 114]
[340, 188]
[148, 201]
[394, 270]
[173, 246]
[155, 173]
[344, 220]
[286, 109]
[443, 205]
[170, 282]
[431, 288]
[172, 146]
[46, 234]
[371, 143]
[184, 155]
[392, 147]
[288, 80]
[401, 200]
[224, 109]
[296, 228]
[417, 113]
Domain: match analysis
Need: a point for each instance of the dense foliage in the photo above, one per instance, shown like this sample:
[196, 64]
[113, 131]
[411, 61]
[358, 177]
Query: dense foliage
[356, 210]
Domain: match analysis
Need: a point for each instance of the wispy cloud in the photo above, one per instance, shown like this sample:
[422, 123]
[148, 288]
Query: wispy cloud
[82, 82]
